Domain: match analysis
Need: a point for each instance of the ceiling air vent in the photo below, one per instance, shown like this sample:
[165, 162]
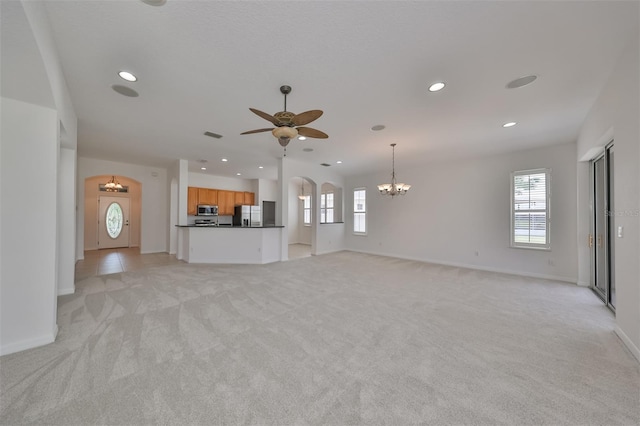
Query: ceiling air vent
[213, 135]
[325, 164]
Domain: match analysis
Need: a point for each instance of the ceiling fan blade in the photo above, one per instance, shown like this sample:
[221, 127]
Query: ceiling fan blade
[306, 117]
[265, 116]
[257, 131]
[311, 133]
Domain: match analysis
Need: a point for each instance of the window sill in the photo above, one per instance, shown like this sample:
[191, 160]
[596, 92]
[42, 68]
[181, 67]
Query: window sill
[531, 248]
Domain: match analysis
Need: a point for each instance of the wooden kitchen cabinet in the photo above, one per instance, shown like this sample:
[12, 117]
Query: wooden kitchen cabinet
[192, 201]
[226, 202]
[208, 196]
[249, 198]
[238, 198]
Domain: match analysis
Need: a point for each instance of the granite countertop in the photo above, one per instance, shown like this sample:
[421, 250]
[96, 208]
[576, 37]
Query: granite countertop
[227, 226]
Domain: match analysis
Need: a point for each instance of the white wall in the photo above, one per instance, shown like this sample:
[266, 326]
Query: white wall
[28, 175]
[202, 180]
[615, 116]
[154, 211]
[456, 209]
[267, 190]
[32, 138]
[66, 221]
[294, 219]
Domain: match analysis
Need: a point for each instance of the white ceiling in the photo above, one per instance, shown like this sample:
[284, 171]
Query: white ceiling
[202, 64]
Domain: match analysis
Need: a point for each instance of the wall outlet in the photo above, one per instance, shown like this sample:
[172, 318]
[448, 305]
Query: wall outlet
[476, 253]
[551, 262]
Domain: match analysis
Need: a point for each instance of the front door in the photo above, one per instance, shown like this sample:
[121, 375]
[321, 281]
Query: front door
[113, 222]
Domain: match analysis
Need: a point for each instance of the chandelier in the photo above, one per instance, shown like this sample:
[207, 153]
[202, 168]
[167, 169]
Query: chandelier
[113, 185]
[301, 196]
[393, 188]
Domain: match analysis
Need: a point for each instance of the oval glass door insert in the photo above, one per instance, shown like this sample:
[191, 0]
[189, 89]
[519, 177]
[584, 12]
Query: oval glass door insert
[114, 220]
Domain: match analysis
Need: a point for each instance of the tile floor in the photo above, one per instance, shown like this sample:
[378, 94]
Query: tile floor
[297, 251]
[111, 261]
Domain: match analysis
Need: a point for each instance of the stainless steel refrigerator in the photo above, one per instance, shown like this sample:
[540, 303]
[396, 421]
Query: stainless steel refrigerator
[247, 216]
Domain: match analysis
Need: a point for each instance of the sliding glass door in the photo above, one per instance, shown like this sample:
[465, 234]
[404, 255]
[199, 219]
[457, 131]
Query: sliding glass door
[603, 224]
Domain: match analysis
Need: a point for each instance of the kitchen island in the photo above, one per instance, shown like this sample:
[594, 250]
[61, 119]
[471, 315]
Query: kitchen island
[229, 244]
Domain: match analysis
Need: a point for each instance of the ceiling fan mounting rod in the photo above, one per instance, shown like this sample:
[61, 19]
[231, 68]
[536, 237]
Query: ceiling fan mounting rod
[285, 90]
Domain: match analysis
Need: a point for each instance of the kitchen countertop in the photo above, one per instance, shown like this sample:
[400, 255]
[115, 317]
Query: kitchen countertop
[227, 227]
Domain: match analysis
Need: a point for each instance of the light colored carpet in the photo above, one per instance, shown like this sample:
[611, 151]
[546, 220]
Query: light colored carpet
[344, 338]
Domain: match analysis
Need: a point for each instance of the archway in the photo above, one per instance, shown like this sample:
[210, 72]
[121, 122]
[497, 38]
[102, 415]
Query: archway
[301, 224]
[93, 190]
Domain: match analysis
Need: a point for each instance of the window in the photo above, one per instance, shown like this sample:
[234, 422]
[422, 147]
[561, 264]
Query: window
[359, 211]
[113, 220]
[326, 207]
[530, 194]
[306, 208]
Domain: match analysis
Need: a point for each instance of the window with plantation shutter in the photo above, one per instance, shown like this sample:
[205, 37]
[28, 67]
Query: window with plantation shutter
[306, 208]
[326, 207]
[530, 194]
[360, 211]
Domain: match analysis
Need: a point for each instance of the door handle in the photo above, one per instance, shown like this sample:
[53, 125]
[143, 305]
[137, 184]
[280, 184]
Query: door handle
[590, 240]
[599, 240]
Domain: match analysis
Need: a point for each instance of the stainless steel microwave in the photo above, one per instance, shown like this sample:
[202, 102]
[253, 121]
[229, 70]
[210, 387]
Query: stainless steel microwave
[206, 210]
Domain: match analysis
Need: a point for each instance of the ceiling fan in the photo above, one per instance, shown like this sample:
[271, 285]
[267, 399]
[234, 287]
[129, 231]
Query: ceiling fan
[289, 125]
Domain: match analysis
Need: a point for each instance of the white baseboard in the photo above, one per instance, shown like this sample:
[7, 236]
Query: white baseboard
[584, 284]
[23, 345]
[627, 342]
[329, 251]
[66, 291]
[476, 267]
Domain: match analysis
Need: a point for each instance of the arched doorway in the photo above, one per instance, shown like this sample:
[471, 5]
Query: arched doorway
[111, 218]
[301, 217]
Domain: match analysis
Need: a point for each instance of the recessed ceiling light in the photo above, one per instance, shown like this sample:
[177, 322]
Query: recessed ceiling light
[154, 2]
[522, 81]
[378, 127]
[126, 75]
[302, 138]
[339, 162]
[124, 90]
[509, 124]
[203, 168]
[238, 174]
[224, 160]
[307, 149]
[436, 86]
[260, 167]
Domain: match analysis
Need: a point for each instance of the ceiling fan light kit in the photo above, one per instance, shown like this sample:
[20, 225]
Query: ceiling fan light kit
[284, 134]
[288, 125]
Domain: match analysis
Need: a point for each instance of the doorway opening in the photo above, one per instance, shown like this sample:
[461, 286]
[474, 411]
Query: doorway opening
[602, 233]
[112, 219]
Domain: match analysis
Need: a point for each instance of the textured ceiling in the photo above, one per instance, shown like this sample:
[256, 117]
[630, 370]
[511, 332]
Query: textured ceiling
[202, 64]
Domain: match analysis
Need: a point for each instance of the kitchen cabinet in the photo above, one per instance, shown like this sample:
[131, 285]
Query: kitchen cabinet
[238, 198]
[192, 201]
[225, 200]
[208, 196]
